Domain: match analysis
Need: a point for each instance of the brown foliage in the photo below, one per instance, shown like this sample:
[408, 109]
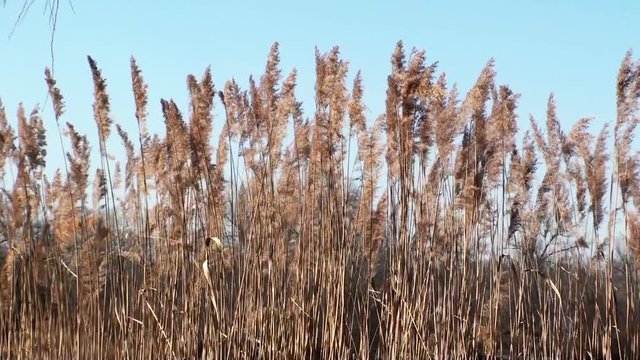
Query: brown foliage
[272, 243]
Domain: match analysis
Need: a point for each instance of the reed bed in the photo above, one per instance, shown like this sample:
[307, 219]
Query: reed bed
[436, 230]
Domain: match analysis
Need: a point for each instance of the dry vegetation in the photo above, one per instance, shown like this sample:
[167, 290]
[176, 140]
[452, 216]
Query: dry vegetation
[432, 231]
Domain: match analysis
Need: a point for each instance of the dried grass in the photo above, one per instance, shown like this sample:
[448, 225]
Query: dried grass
[266, 244]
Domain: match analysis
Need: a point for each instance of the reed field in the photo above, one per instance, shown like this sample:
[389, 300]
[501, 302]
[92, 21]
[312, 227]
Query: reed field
[450, 226]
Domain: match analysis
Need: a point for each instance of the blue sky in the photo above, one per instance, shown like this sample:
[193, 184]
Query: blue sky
[573, 48]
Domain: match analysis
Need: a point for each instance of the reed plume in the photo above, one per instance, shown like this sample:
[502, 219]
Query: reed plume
[102, 104]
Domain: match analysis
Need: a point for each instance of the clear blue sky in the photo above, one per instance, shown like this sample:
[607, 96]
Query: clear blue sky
[573, 48]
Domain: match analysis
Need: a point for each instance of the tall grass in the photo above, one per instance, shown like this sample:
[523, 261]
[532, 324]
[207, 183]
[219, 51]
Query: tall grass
[431, 231]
